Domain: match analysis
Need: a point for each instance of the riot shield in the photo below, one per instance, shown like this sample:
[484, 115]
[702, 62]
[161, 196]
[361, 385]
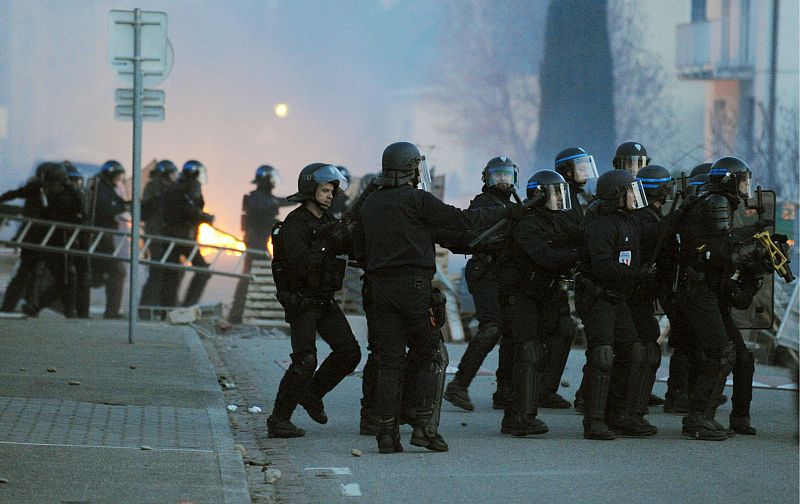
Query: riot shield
[761, 313]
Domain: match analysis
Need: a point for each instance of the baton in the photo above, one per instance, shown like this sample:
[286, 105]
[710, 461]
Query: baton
[499, 224]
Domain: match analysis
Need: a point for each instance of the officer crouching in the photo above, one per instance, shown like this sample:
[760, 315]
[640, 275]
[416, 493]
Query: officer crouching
[307, 274]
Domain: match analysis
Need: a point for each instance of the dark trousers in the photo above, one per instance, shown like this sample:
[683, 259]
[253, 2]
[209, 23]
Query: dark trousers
[111, 273]
[153, 289]
[240, 294]
[398, 318]
[326, 318]
[558, 335]
[172, 278]
[493, 327]
[20, 283]
[608, 322]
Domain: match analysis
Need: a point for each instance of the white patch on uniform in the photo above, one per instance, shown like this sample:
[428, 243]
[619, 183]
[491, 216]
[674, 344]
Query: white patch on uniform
[625, 257]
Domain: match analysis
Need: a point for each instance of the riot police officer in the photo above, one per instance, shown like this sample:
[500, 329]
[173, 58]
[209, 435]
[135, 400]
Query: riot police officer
[631, 157]
[705, 264]
[260, 210]
[162, 179]
[603, 287]
[107, 208]
[307, 274]
[398, 222]
[183, 214]
[543, 248]
[499, 179]
[577, 167]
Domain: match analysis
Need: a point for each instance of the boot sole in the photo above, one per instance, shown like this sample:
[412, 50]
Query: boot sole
[600, 437]
[459, 403]
[428, 446]
[704, 437]
[285, 435]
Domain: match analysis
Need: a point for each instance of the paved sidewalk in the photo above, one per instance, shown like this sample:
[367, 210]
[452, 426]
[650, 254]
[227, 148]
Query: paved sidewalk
[87, 418]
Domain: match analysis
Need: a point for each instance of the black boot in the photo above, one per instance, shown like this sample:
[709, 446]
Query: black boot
[676, 401]
[554, 401]
[388, 436]
[697, 426]
[457, 395]
[282, 428]
[425, 435]
[500, 397]
[518, 426]
[595, 384]
[314, 407]
[627, 425]
[741, 425]
[369, 422]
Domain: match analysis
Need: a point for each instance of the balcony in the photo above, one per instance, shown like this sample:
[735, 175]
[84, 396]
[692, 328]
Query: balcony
[706, 51]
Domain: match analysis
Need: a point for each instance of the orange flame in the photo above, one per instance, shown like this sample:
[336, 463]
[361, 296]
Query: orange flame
[209, 235]
[269, 246]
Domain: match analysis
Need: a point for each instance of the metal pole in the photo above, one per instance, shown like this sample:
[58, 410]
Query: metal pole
[133, 294]
[773, 77]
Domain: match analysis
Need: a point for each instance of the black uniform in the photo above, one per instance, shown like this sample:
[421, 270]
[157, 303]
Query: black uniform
[260, 213]
[153, 216]
[106, 206]
[493, 326]
[544, 248]
[183, 214]
[22, 283]
[314, 274]
[705, 266]
[604, 287]
[398, 228]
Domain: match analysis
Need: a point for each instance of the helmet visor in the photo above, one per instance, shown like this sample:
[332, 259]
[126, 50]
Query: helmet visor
[558, 197]
[497, 175]
[584, 169]
[744, 182]
[425, 174]
[202, 174]
[632, 164]
[330, 174]
[635, 196]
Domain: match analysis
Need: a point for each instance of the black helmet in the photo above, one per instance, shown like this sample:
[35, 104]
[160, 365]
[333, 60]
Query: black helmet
[657, 182]
[365, 181]
[402, 163]
[698, 177]
[266, 174]
[576, 165]
[549, 189]
[312, 176]
[165, 168]
[701, 169]
[344, 171]
[194, 170]
[733, 176]
[500, 170]
[72, 171]
[614, 188]
[111, 169]
[53, 172]
[631, 157]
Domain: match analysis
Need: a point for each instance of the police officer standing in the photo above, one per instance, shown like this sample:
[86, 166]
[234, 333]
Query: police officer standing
[705, 266]
[260, 210]
[603, 288]
[183, 214]
[577, 167]
[499, 180]
[543, 248]
[631, 157]
[398, 222]
[162, 180]
[307, 274]
[106, 208]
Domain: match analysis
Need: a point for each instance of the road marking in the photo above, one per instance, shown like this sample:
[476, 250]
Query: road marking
[351, 490]
[335, 471]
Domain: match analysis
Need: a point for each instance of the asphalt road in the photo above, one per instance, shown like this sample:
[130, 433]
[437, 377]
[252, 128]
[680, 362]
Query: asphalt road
[484, 466]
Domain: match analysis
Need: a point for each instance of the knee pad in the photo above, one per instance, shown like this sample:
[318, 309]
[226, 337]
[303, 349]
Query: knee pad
[652, 355]
[602, 356]
[304, 364]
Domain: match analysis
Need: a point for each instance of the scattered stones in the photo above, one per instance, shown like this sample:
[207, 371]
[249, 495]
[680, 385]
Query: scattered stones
[133, 366]
[356, 452]
[3, 481]
[241, 449]
[232, 407]
[226, 385]
[463, 424]
[565, 383]
[51, 370]
[259, 463]
[74, 382]
[146, 447]
[23, 369]
[272, 475]
[254, 409]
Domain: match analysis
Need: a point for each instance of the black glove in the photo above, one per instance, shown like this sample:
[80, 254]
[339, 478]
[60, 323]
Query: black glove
[206, 217]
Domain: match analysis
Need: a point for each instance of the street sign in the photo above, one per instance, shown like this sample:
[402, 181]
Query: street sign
[154, 50]
[150, 97]
[125, 113]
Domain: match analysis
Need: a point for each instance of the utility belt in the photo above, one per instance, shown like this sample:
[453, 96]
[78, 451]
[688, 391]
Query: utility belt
[540, 284]
[402, 271]
[587, 288]
[294, 303]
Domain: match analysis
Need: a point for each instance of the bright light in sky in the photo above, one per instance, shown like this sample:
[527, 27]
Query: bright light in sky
[281, 110]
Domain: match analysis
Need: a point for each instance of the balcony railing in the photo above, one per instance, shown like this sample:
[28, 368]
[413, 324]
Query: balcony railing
[705, 51]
